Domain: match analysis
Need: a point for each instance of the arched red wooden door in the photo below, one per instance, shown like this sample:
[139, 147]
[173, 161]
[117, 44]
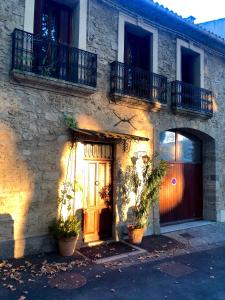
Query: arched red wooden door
[181, 191]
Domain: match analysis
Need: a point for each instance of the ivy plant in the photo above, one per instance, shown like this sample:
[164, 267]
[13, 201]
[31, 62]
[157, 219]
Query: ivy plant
[70, 122]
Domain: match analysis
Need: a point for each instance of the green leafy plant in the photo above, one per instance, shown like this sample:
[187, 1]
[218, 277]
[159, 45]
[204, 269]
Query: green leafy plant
[145, 188]
[65, 228]
[66, 198]
[69, 226]
[70, 122]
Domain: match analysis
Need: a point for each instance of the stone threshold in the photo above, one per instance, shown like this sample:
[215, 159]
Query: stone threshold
[122, 256]
[33, 80]
[139, 251]
[118, 257]
[183, 226]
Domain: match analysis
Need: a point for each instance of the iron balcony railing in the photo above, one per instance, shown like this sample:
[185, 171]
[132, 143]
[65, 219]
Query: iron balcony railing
[189, 97]
[138, 83]
[48, 58]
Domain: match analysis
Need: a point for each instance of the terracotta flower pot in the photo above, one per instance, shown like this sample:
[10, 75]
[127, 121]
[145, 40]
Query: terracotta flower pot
[135, 235]
[67, 246]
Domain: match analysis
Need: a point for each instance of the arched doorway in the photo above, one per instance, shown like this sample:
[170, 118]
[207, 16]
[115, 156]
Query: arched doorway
[181, 191]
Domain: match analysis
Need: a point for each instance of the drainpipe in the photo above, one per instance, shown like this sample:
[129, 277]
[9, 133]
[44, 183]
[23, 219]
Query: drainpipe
[155, 210]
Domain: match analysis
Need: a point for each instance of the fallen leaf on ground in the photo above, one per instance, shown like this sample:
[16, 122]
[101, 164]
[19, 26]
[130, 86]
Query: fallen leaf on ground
[2, 264]
[11, 288]
[28, 263]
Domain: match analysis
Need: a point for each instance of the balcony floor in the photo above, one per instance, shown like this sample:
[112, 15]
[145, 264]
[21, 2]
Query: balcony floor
[50, 83]
[142, 103]
[191, 112]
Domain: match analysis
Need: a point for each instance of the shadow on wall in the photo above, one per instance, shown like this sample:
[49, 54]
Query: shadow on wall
[6, 236]
[49, 162]
[126, 198]
[16, 191]
[30, 181]
[27, 200]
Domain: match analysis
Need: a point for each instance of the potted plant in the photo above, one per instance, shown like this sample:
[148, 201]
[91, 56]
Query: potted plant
[145, 187]
[66, 228]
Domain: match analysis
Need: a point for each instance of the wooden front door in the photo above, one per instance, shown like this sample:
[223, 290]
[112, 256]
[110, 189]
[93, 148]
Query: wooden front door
[181, 191]
[98, 193]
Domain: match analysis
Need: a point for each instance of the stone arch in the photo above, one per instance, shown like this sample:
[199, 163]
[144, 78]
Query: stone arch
[209, 174]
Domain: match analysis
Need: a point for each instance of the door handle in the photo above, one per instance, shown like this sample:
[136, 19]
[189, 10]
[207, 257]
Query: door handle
[96, 183]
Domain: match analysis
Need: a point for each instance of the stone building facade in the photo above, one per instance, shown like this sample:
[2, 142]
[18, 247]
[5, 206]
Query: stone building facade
[37, 153]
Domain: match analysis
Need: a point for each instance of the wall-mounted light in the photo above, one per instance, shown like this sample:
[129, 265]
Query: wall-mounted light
[145, 158]
[140, 154]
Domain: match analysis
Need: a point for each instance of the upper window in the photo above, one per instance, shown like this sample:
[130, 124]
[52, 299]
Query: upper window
[53, 21]
[190, 63]
[180, 147]
[190, 66]
[63, 21]
[138, 47]
[137, 43]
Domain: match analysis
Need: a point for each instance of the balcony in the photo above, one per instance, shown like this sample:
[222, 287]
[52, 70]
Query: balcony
[59, 64]
[189, 99]
[136, 85]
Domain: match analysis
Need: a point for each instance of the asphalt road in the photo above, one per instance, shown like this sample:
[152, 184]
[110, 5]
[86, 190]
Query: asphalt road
[193, 276]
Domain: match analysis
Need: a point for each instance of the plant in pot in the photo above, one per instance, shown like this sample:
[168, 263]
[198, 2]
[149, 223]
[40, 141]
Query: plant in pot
[145, 187]
[66, 228]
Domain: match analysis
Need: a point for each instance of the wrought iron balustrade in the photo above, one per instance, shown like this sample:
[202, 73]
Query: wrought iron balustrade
[49, 58]
[138, 83]
[189, 97]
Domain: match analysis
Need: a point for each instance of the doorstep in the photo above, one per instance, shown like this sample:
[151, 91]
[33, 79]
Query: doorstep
[152, 246]
[109, 251]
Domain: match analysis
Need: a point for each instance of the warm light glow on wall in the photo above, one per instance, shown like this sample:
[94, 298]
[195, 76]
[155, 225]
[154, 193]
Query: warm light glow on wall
[68, 171]
[72, 166]
[88, 122]
[215, 106]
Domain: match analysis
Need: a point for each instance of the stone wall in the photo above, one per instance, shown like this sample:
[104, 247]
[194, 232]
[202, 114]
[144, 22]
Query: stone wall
[34, 140]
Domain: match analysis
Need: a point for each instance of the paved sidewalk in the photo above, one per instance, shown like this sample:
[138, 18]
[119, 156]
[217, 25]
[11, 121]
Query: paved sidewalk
[201, 237]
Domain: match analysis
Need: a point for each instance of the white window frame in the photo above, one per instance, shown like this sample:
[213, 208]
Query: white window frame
[29, 16]
[123, 19]
[82, 31]
[191, 46]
